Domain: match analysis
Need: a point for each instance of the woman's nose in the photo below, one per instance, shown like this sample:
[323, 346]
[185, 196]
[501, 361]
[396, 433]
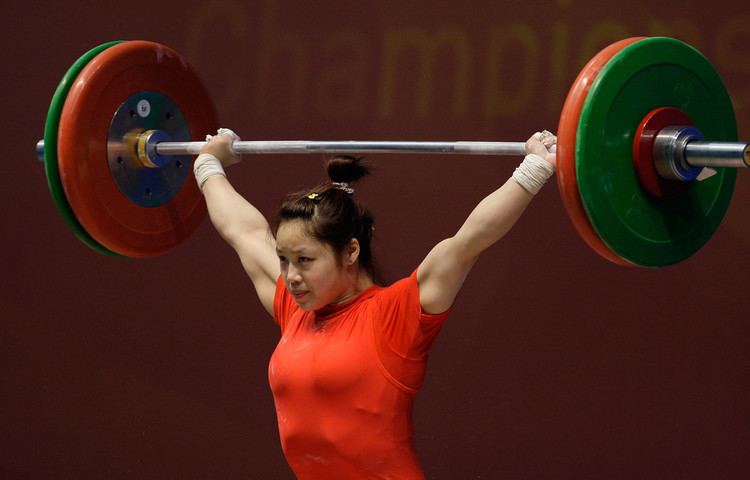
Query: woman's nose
[293, 276]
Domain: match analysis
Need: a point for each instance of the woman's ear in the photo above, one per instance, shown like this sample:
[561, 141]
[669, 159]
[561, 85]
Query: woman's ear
[352, 251]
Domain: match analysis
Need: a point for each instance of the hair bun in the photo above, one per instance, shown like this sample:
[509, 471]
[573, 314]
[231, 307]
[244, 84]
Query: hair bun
[346, 169]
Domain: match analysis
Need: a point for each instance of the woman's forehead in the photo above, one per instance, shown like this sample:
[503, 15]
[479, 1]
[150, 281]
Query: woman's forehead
[294, 237]
[294, 228]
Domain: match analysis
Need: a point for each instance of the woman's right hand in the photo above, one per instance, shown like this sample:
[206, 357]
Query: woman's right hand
[220, 146]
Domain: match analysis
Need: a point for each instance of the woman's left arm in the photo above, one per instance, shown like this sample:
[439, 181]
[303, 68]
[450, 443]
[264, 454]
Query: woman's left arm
[443, 271]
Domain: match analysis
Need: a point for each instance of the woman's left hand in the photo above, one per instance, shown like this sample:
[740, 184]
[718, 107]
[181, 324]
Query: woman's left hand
[540, 144]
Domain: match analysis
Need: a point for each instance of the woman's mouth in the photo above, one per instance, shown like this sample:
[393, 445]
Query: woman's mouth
[298, 294]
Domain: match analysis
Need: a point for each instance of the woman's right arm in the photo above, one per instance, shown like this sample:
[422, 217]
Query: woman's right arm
[242, 225]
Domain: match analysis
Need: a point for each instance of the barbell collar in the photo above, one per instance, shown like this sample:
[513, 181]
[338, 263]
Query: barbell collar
[669, 153]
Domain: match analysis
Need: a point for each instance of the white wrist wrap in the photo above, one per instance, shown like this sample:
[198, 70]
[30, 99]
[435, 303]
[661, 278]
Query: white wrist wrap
[533, 172]
[206, 165]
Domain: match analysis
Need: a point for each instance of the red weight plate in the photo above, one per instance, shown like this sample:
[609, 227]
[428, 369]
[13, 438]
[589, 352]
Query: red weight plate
[102, 86]
[643, 151]
[566, 149]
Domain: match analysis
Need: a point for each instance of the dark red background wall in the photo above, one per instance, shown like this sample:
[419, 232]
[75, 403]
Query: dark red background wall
[555, 364]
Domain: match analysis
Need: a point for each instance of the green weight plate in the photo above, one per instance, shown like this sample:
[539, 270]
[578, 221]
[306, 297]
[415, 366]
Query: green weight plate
[651, 73]
[50, 148]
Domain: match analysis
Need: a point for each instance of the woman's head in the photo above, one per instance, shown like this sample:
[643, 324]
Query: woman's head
[330, 214]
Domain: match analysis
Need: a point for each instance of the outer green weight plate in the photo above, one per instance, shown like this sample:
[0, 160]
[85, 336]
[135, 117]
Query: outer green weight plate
[50, 148]
[651, 73]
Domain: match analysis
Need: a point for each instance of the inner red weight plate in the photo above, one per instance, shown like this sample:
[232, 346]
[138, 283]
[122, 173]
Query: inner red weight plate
[103, 85]
[566, 149]
[643, 151]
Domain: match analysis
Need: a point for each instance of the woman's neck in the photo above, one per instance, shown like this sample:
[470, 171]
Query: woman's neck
[359, 282]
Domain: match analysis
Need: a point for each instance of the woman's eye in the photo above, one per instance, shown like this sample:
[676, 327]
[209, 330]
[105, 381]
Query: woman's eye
[304, 259]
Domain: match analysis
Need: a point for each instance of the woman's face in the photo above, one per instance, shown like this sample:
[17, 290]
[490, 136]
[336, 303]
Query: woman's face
[312, 272]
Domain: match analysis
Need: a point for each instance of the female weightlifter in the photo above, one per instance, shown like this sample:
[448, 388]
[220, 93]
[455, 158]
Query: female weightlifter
[352, 354]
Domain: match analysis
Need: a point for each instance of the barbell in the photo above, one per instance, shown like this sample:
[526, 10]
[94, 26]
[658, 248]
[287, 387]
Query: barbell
[645, 120]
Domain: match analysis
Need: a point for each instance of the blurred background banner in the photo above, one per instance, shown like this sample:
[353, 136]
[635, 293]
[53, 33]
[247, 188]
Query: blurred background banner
[554, 364]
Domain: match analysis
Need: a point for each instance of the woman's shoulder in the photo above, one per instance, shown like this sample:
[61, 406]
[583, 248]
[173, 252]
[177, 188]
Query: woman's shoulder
[401, 288]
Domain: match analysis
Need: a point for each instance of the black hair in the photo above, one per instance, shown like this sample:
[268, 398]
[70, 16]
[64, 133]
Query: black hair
[332, 215]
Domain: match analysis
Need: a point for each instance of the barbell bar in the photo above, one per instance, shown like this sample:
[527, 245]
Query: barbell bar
[353, 147]
[694, 153]
[138, 111]
[717, 154]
